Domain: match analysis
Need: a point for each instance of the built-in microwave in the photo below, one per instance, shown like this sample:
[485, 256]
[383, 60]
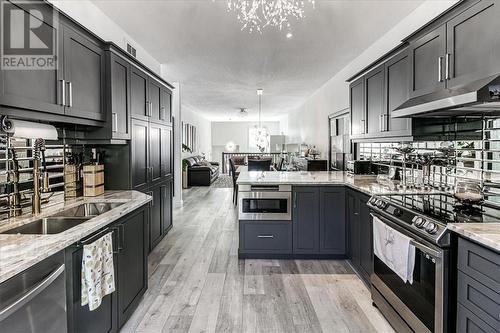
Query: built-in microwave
[265, 202]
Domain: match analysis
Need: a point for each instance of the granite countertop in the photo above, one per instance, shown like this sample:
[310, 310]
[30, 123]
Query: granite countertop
[18, 252]
[367, 184]
[487, 234]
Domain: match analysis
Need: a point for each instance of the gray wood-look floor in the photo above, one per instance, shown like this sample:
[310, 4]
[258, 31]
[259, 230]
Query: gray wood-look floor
[197, 283]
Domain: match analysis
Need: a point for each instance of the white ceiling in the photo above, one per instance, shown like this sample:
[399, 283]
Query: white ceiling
[220, 67]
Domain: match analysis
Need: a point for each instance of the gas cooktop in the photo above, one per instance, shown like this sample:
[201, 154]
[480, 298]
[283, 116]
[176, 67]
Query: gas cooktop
[427, 214]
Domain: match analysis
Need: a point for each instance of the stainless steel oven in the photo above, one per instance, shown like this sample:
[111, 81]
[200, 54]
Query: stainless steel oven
[265, 202]
[423, 304]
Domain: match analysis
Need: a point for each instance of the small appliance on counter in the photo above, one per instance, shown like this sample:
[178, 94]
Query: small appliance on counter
[359, 167]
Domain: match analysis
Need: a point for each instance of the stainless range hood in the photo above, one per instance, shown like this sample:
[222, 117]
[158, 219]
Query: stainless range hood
[479, 98]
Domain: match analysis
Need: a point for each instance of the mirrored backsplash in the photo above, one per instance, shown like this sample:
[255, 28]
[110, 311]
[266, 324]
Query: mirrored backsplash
[476, 160]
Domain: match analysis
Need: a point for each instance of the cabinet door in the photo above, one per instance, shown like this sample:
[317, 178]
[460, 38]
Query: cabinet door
[156, 216]
[139, 154]
[120, 97]
[357, 103]
[397, 92]
[38, 90]
[166, 105]
[353, 226]
[332, 221]
[139, 102]
[365, 237]
[473, 45]
[167, 207]
[157, 149]
[81, 319]
[166, 151]
[84, 72]
[374, 92]
[427, 63]
[132, 263]
[154, 100]
[306, 220]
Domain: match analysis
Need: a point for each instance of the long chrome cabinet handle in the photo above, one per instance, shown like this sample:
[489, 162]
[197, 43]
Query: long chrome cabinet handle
[447, 66]
[114, 121]
[32, 293]
[70, 99]
[63, 92]
[440, 69]
[265, 236]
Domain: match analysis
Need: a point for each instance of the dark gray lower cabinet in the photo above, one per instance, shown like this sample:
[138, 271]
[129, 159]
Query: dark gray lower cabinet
[332, 226]
[130, 260]
[360, 233]
[160, 213]
[305, 217]
[265, 237]
[478, 288]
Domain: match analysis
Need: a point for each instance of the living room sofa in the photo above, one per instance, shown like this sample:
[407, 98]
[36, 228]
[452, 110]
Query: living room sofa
[200, 171]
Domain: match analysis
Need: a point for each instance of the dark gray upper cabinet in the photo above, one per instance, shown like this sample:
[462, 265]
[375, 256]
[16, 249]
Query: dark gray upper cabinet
[166, 105]
[119, 72]
[396, 93]
[154, 100]
[427, 62]
[332, 220]
[374, 92]
[156, 151]
[306, 220]
[84, 72]
[358, 109]
[139, 154]
[38, 90]
[139, 97]
[473, 46]
[166, 160]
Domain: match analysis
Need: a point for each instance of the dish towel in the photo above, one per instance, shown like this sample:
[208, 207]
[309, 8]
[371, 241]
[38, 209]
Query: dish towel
[98, 275]
[394, 249]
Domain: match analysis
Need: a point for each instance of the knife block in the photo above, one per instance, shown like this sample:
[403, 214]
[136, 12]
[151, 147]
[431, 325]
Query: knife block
[73, 186]
[93, 180]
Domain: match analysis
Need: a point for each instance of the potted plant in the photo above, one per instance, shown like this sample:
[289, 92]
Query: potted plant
[185, 166]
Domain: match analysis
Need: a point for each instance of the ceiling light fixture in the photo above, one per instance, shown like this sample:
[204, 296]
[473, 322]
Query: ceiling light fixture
[255, 15]
[243, 113]
[261, 137]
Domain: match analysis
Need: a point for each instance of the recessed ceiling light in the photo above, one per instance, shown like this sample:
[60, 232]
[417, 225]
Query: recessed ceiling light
[289, 35]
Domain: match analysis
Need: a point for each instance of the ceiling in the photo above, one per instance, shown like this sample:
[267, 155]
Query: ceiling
[220, 67]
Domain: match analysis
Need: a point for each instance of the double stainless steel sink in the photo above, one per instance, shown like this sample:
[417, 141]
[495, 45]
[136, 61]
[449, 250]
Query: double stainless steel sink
[65, 219]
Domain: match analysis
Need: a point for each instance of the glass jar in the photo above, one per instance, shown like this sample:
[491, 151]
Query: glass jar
[468, 192]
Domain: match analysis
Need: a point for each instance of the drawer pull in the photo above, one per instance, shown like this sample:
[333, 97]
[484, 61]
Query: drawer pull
[265, 236]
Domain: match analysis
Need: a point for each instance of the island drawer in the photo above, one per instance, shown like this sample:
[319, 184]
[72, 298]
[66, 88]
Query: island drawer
[266, 237]
[480, 263]
[468, 322]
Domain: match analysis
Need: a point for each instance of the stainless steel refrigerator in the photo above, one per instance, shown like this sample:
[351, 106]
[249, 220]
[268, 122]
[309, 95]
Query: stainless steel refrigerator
[340, 143]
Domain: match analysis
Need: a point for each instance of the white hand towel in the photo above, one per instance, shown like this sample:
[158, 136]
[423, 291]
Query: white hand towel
[394, 249]
[98, 277]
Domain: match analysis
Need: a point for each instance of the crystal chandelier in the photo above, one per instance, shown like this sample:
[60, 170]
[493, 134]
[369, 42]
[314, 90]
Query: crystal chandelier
[255, 15]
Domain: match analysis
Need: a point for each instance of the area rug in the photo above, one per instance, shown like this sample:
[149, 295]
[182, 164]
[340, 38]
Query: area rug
[224, 181]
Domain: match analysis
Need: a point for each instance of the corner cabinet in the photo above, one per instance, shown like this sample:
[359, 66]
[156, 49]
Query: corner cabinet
[360, 233]
[396, 93]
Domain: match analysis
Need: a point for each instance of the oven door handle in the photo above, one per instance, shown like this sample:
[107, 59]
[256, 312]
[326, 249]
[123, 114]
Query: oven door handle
[426, 249]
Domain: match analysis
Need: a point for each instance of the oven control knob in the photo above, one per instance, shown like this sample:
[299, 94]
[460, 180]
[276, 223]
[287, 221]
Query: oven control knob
[431, 228]
[381, 204]
[373, 200]
[419, 222]
[397, 212]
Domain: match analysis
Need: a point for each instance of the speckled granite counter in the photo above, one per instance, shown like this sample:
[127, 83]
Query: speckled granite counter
[364, 183]
[487, 234]
[19, 252]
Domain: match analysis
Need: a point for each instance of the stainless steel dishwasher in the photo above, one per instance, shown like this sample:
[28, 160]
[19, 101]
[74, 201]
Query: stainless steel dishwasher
[34, 301]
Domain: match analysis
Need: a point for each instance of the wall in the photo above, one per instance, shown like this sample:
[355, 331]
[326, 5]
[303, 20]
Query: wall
[309, 122]
[236, 132]
[91, 17]
[203, 130]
